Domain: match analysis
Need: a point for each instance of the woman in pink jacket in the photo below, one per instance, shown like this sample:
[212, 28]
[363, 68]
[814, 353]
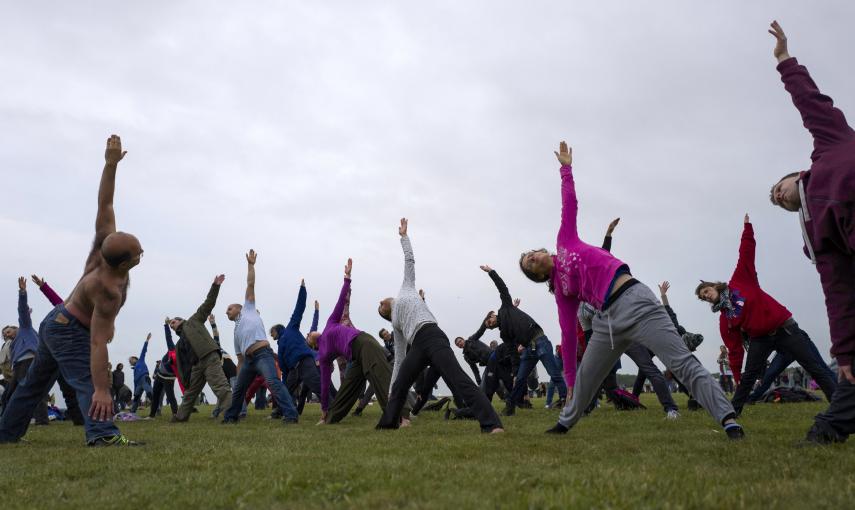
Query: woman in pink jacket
[627, 311]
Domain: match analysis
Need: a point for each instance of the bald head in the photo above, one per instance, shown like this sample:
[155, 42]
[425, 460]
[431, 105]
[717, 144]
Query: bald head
[121, 249]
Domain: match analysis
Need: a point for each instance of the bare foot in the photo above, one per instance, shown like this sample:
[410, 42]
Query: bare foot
[405, 422]
[497, 430]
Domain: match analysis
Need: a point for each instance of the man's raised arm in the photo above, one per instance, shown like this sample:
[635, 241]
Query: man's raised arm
[105, 219]
[409, 259]
[250, 275]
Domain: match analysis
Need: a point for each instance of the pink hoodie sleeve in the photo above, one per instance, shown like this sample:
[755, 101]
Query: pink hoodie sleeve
[569, 206]
[49, 293]
[567, 309]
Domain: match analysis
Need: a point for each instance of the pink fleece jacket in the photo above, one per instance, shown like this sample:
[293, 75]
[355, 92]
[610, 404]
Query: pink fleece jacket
[580, 272]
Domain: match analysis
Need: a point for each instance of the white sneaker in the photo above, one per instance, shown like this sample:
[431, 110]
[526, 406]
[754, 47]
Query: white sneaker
[673, 414]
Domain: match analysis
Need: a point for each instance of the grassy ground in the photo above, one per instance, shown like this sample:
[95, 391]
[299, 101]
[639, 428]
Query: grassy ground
[610, 460]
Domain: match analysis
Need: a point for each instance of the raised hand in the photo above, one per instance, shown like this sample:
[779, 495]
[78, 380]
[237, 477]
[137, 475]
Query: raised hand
[38, 281]
[147, 338]
[251, 257]
[113, 154]
[402, 230]
[317, 305]
[302, 282]
[780, 52]
[663, 287]
[747, 219]
[348, 268]
[218, 280]
[516, 302]
[212, 320]
[612, 226]
[422, 294]
[486, 268]
[166, 320]
[22, 284]
[564, 154]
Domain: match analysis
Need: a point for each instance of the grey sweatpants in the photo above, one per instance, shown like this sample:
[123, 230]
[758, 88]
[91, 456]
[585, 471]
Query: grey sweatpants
[637, 316]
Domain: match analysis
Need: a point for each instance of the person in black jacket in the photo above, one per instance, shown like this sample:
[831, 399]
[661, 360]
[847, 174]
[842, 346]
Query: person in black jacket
[475, 352]
[520, 330]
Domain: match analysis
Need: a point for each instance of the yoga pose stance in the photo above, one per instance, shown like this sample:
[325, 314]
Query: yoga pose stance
[414, 325]
[520, 330]
[203, 354]
[824, 196]
[746, 310]
[627, 312]
[142, 378]
[164, 377]
[367, 360]
[255, 357]
[73, 337]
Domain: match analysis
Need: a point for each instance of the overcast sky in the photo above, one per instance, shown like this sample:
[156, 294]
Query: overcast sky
[305, 131]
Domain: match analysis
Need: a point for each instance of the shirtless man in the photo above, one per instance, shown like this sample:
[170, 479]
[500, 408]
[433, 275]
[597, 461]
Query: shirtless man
[74, 335]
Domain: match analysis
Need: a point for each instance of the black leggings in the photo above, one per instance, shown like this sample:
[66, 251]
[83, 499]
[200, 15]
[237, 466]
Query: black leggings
[431, 347]
[162, 386]
[497, 372]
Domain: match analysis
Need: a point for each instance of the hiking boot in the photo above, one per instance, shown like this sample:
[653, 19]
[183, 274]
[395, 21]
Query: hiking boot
[558, 429]
[357, 411]
[734, 432]
[119, 440]
[673, 414]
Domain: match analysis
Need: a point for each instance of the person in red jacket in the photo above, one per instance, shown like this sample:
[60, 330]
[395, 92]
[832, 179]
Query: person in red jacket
[746, 310]
[824, 196]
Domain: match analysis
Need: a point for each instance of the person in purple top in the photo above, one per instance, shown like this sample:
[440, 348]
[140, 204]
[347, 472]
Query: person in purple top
[626, 311]
[824, 196]
[367, 357]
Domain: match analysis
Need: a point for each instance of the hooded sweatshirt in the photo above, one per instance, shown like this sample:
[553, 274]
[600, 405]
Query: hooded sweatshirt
[752, 311]
[291, 343]
[580, 272]
[827, 192]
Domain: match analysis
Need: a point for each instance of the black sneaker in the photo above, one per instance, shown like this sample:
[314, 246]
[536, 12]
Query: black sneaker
[558, 429]
[818, 437]
[735, 432]
[509, 410]
[119, 440]
[357, 412]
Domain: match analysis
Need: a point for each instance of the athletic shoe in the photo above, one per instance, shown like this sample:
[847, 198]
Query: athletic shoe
[548, 406]
[673, 414]
[509, 410]
[816, 437]
[357, 412]
[558, 429]
[229, 422]
[734, 431]
[119, 440]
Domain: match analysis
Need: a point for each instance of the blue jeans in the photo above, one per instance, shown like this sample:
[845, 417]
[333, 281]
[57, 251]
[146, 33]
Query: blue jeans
[144, 386]
[260, 362]
[64, 348]
[545, 353]
[780, 362]
[550, 388]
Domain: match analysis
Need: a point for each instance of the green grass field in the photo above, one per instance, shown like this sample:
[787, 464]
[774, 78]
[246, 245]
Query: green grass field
[610, 460]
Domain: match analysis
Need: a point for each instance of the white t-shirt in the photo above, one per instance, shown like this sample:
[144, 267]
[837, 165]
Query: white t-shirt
[249, 328]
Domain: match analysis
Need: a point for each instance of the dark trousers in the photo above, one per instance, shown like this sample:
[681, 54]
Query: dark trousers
[780, 363]
[308, 374]
[431, 347]
[19, 371]
[162, 386]
[64, 347]
[495, 373]
[789, 339]
[368, 363]
[838, 421]
[431, 377]
[643, 357]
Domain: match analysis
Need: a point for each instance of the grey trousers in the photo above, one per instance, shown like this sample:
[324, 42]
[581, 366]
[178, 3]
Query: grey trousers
[637, 316]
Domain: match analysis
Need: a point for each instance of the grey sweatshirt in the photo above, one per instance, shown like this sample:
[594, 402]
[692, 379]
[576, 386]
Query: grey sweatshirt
[409, 311]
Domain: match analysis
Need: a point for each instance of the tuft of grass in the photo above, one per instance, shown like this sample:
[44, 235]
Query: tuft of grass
[610, 459]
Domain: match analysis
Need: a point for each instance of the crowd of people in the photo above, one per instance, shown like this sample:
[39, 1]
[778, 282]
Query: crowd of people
[603, 313]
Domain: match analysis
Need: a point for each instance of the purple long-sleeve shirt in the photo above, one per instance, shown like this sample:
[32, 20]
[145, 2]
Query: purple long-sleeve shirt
[49, 293]
[334, 342]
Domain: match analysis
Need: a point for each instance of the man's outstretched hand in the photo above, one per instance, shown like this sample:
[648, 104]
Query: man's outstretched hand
[780, 52]
[402, 230]
[219, 279]
[348, 268]
[114, 153]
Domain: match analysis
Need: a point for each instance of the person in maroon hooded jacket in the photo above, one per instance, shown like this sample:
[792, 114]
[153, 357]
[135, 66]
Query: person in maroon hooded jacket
[746, 311]
[824, 197]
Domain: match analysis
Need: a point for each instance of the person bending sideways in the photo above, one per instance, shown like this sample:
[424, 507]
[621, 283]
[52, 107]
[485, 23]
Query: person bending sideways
[745, 309]
[142, 379]
[519, 329]
[73, 337]
[296, 358]
[627, 312]
[824, 196]
[164, 377]
[255, 357]
[414, 325]
[366, 357]
[206, 364]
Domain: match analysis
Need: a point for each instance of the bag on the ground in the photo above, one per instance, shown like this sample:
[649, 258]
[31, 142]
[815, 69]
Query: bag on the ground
[789, 395]
[624, 400]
